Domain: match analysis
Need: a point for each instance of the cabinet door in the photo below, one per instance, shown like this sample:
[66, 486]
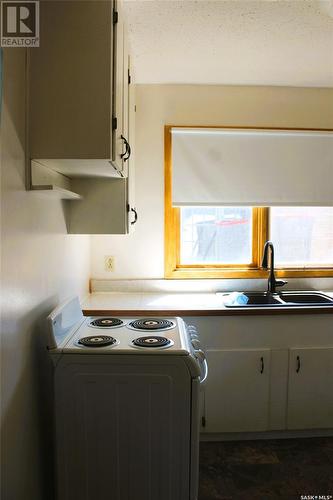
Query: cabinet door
[132, 211]
[118, 144]
[70, 87]
[237, 390]
[310, 394]
[125, 103]
[102, 209]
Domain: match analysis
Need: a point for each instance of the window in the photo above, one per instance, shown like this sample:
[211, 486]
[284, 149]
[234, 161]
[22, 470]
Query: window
[303, 236]
[227, 242]
[216, 235]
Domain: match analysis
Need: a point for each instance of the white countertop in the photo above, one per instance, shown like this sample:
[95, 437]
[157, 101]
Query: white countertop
[144, 301]
[175, 304]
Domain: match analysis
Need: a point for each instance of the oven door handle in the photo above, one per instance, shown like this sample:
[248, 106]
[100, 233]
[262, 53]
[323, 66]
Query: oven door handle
[201, 357]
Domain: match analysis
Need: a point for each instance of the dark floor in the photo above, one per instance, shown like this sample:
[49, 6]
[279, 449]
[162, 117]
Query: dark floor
[267, 469]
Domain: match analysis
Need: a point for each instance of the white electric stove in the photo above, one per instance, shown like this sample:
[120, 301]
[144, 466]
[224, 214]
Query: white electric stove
[126, 406]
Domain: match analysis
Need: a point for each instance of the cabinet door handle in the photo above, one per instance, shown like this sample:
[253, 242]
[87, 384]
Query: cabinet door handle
[298, 364]
[135, 216]
[262, 365]
[128, 152]
[127, 149]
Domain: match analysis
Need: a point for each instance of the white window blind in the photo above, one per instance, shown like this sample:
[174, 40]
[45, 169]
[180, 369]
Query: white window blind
[251, 167]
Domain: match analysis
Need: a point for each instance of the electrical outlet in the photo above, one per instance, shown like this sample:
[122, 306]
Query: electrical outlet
[109, 263]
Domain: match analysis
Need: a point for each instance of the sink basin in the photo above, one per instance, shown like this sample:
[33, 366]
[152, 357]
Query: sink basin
[306, 298]
[252, 299]
[257, 299]
[282, 299]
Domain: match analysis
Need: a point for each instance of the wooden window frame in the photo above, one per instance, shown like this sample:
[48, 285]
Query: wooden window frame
[260, 227]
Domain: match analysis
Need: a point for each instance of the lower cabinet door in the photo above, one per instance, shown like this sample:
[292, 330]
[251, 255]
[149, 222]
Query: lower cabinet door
[310, 391]
[237, 390]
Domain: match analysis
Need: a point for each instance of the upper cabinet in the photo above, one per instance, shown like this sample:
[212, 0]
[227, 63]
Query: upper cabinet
[76, 89]
[78, 113]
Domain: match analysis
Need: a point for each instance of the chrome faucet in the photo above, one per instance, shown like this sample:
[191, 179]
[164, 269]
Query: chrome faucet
[272, 281]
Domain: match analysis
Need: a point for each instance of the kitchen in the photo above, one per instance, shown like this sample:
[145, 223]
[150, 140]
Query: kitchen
[52, 251]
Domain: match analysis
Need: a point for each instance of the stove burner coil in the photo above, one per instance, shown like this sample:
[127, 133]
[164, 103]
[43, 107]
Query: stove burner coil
[151, 324]
[151, 342]
[106, 322]
[97, 341]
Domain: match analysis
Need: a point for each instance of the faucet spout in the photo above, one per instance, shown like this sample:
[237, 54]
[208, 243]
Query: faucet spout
[269, 264]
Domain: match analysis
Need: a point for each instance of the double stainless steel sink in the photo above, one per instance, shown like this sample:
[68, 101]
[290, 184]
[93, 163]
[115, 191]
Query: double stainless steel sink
[281, 299]
[272, 298]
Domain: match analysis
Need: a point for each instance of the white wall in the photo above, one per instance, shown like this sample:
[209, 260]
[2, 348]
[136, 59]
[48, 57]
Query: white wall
[40, 265]
[141, 255]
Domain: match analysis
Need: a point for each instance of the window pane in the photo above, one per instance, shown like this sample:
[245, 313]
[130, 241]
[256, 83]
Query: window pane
[220, 235]
[302, 237]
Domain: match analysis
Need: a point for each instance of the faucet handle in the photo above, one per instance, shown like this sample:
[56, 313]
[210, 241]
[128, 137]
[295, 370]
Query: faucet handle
[280, 282]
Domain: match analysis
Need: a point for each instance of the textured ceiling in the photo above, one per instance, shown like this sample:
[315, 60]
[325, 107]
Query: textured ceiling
[232, 42]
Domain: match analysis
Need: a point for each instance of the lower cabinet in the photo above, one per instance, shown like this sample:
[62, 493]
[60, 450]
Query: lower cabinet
[310, 391]
[253, 390]
[237, 391]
